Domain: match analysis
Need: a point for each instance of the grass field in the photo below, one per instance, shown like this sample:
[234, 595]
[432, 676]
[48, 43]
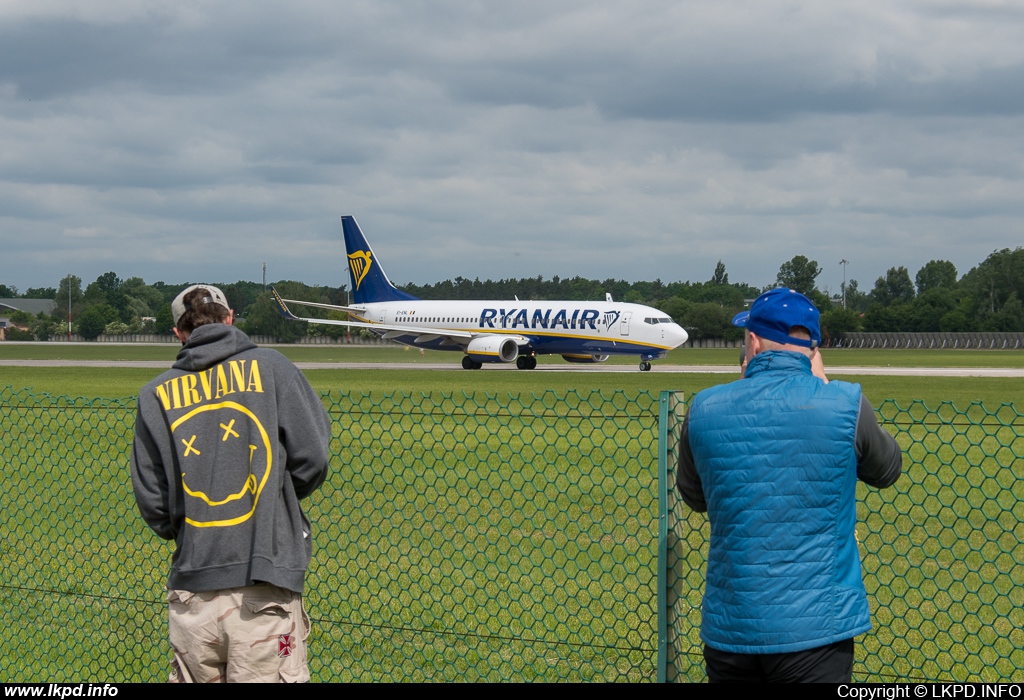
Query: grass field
[125, 383]
[394, 353]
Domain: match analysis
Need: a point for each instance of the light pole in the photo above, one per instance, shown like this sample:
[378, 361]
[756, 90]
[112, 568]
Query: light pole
[844, 262]
[69, 307]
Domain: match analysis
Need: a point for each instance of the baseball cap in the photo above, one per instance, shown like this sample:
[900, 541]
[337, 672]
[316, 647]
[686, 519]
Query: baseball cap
[776, 311]
[216, 297]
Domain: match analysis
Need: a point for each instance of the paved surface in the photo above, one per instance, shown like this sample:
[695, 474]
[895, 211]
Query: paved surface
[660, 368]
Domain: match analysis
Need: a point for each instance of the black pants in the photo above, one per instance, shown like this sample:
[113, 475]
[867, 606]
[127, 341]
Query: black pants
[832, 663]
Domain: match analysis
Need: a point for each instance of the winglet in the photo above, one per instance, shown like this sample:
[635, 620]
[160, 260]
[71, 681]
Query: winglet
[282, 308]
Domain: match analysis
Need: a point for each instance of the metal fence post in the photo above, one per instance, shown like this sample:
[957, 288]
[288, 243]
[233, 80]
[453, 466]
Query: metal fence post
[670, 416]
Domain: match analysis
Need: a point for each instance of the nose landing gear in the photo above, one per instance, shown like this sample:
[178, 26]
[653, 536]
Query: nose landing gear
[645, 366]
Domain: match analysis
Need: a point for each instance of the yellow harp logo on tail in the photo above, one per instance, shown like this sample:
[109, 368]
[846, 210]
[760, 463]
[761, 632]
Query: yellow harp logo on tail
[360, 263]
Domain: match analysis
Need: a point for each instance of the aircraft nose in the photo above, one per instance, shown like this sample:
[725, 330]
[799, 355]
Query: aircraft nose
[676, 335]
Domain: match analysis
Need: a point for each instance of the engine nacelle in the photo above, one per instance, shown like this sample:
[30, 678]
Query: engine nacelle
[585, 359]
[490, 348]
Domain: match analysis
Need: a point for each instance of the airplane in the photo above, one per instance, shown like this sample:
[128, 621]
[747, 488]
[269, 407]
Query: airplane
[495, 331]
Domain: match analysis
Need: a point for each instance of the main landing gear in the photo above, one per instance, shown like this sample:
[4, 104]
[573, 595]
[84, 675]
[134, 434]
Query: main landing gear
[526, 362]
[470, 363]
[645, 366]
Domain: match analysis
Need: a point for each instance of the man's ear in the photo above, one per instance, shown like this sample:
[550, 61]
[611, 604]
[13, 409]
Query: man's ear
[755, 343]
[183, 337]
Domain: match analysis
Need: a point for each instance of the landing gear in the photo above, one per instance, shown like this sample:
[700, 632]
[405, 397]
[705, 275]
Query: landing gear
[645, 366]
[525, 362]
[470, 363]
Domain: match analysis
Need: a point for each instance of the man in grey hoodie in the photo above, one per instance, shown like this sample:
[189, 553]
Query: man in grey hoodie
[227, 443]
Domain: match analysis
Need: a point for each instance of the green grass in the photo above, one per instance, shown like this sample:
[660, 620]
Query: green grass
[126, 382]
[391, 353]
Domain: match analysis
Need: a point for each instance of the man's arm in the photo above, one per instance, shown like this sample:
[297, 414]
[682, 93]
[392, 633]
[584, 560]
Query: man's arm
[879, 457]
[149, 480]
[687, 478]
[305, 432]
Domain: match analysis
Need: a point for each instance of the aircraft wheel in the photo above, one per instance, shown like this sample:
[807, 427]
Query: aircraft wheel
[533, 363]
[468, 363]
[645, 366]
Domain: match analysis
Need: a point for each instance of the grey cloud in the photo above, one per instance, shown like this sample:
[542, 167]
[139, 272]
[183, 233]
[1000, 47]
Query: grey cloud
[608, 140]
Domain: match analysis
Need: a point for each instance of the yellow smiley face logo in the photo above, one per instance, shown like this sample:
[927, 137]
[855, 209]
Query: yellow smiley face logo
[210, 502]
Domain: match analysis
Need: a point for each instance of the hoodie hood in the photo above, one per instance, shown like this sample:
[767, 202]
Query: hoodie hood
[211, 344]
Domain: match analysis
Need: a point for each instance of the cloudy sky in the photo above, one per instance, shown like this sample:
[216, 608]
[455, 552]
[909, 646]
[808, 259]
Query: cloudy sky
[191, 141]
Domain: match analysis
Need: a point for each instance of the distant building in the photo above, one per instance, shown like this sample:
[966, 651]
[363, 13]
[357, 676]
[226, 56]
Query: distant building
[31, 306]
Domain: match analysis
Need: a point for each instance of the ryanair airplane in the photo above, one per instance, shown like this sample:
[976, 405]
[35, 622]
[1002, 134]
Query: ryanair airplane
[495, 331]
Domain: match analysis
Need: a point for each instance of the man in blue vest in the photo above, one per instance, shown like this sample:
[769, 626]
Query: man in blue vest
[774, 460]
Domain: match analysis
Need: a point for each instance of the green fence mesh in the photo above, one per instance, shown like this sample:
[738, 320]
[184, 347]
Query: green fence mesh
[458, 537]
[942, 553]
[505, 538]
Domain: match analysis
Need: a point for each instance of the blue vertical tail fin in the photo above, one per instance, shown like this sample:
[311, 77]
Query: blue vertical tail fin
[369, 282]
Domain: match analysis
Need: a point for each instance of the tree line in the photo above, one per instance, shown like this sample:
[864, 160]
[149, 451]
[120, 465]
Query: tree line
[986, 298]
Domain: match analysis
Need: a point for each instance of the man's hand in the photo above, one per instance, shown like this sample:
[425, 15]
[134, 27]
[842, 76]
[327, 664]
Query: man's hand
[817, 366]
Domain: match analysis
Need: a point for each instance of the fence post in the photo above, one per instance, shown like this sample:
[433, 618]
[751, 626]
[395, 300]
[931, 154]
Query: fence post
[670, 416]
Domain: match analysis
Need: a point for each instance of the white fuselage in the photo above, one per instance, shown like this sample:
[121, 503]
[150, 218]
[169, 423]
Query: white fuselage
[543, 327]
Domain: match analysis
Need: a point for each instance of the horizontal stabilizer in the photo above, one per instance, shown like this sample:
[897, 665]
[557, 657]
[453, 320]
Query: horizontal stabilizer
[332, 307]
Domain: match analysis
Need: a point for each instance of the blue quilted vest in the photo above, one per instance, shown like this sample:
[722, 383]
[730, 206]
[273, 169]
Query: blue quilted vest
[776, 457]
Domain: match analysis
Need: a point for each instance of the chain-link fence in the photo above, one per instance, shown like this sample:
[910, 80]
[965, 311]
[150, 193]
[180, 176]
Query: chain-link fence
[942, 552]
[489, 537]
[458, 537]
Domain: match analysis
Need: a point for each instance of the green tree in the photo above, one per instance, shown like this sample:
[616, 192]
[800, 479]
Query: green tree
[936, 274]
[992, 284]
[40, 293]
[721, 276]
[677, 308]
[706, 321]
[8, 292]
[262, 318]
[928, 309]
[141, 299]
[91, 323]
[75, 284]
[894, 288]
[856, 300]
[799, 274]
[837, 321]
[164, 320]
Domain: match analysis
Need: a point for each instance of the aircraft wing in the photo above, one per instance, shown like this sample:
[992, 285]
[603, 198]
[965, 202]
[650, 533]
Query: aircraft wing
[425, 335]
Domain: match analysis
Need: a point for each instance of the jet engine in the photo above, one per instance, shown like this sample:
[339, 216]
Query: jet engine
[586, 359]
[490, 348]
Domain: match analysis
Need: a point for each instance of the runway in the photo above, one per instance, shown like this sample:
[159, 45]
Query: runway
[577, 369]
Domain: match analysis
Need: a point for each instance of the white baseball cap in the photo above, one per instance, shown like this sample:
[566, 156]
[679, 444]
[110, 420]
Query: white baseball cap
[178, 307]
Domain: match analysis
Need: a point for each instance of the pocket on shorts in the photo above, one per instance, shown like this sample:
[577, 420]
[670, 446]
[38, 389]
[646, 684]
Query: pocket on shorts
[176, 596]
[268, 600]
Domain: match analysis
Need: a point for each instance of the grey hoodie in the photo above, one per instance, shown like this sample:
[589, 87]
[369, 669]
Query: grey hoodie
[226, 444]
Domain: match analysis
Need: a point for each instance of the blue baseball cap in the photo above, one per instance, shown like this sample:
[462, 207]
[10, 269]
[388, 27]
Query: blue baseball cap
[776, 311]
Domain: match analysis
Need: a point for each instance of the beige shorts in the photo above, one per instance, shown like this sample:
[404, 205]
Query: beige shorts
[255, 634]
